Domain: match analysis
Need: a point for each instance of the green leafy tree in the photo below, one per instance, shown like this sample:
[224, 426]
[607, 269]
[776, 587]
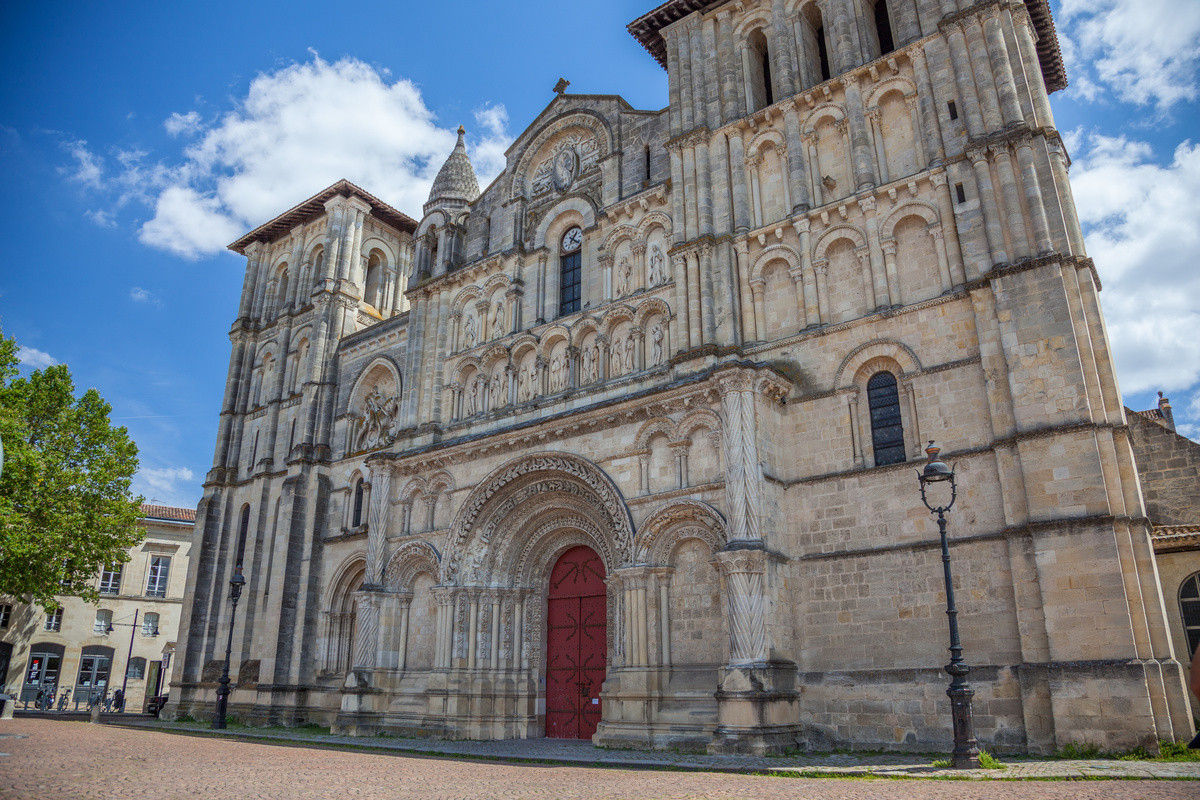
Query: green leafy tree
[65, 505]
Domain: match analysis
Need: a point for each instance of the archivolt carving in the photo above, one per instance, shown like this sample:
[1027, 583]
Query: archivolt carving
[674, 521]
[618, 235]
[775, 251]
[700, 417]
[850, 232]
[496, 493]
[652, 427]
[586, 123]
[411, 559]
[897, 83]
[901, 353]
[913, 208]
[345, 577]
[648, 223]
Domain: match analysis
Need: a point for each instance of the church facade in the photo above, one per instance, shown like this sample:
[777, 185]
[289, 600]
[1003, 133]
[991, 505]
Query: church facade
[623, 445]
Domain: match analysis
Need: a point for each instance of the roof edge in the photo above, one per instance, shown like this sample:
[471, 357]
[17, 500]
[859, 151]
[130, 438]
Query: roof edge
[315, 206]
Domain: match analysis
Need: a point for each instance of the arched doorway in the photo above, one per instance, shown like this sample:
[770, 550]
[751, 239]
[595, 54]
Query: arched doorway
[576, 644]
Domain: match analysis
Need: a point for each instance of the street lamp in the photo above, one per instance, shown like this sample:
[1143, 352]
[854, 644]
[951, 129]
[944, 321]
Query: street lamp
[966, 748]
[235, 591]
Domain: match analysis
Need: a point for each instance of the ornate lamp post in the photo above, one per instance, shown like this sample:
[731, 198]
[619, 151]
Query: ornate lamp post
[966, 748]
[235, 591]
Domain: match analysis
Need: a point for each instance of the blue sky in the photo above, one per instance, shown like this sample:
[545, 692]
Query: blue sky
[137, 139]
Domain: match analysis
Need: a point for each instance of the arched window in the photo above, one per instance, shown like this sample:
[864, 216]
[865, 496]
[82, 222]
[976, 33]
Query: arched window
[1189, 610]
[356, 518]
[887, 431]
[815, 53]
[150, 624]
[570, 271]
[318, 269]
[762, 93]
[281, 291]
[373, 289]
[243, 534]
[883, 28]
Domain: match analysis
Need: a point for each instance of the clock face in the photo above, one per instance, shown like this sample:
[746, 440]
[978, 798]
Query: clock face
[572, 239]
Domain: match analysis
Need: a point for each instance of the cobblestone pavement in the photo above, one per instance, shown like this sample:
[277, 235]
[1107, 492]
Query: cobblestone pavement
[51, 759]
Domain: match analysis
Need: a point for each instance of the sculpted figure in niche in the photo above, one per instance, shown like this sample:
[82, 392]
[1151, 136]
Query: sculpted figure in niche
[558, 372]
[498, 320]
[624, 277]
[656, 345]
[630, 347]
[471, 333]
[614, 358]
[524, 383]
[497, 388]
[588, 367]
[473, 398]
[377, 421]
[658, 274]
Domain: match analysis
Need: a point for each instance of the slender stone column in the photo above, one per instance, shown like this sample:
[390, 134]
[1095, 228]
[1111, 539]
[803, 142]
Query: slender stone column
[254, 258]
[931, 128]
[860, 139]
[729, 93]
[1006, 87]
[472, 629]
[679, 262]
[704, 276]
[991, 211]
[678, 208]
[797, 275]
[664, 612]
[695, 309]
[674, 94]
[737, 163]
[745, 297]
[785, 84]
[704, 199]
[494, 651]
[964, 77]
[842, 18]
[939, 245]
[1034, 200]
[679, 33]
[366, 629]
[1013, 214]
[746, 606]
[989, 100]
[876, 272]
[752, 165]
[377, 520]
[855, 436]
[941, 183]
[889, 262]
[1026, 42]
[798, 180]
[719, 187]
[758, 287]
[700, 81]
[405, 609]
[743, 475]
[1058, 165]
[820, 268]
[519, 654]
[552, 278]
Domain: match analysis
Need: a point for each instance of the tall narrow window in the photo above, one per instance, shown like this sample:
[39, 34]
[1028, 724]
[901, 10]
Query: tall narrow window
[103, 620]
[883, 27]
[1189, 610]
[150, 624]
[761, 90]
[357, 518]
[570, 272]
[54, 620]
[110, 579]
[156, 581]
[5, 614]
[243, 534]
[647, 154]
[887, 431]
[823, 53]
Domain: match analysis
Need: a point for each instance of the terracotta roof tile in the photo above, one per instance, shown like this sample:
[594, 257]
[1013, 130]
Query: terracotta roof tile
[168, 512]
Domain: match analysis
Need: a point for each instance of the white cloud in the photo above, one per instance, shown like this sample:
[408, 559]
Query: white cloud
[105, 219]
[167, 485]
[88, 168]
[177, 123]
[139, 295]
[34, 358]
[298, 130]
[1143, 51]
[1143, 231]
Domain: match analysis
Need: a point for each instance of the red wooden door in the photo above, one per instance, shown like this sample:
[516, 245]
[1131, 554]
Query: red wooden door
[576, 646]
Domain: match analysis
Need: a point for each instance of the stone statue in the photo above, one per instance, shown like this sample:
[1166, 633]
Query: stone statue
[473, 404]
[614, 358]
[498, 320]
[624, 277]
[497, 399]
[471, 333]
[376, 426]
[589, 364]
[630, 345]
[558, 372]
[656, 345]
[658, 275]
[524, 383]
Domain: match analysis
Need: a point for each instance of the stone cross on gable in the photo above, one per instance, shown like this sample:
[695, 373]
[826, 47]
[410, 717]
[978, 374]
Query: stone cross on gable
[561, 86]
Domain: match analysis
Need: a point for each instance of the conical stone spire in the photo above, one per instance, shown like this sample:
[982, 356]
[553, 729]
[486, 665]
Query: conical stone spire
[455, 183]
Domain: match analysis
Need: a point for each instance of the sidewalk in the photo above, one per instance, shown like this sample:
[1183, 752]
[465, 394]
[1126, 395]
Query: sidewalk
[582, 753]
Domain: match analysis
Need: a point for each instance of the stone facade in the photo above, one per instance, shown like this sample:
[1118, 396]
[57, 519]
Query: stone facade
[708, 343]
[76, 652]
